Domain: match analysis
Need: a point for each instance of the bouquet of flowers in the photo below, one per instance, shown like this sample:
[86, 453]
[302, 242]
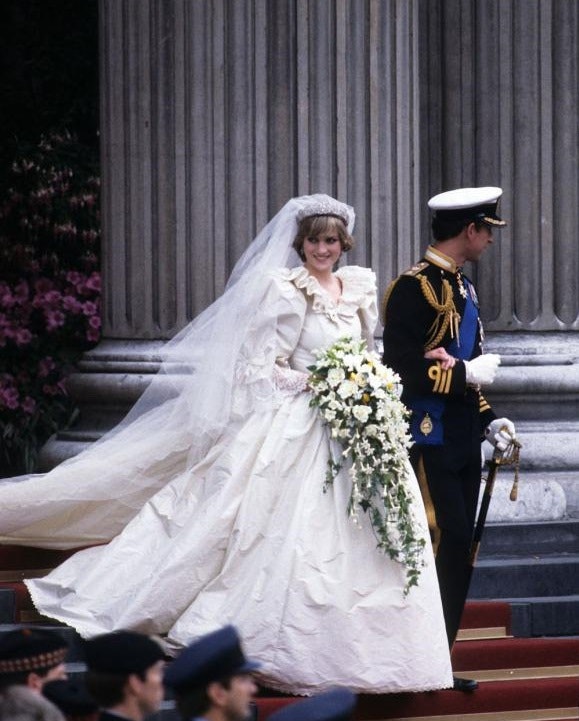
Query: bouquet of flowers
[358, 398]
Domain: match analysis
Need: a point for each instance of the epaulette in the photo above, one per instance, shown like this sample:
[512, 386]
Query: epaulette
[416, 269]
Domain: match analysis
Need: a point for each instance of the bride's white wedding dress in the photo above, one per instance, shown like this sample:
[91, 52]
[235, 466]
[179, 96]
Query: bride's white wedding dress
[245, 534]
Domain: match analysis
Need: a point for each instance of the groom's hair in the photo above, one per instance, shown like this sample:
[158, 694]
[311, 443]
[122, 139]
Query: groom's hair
[446, 228]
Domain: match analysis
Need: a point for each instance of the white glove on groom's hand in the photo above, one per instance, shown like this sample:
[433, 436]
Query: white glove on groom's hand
[482, 370]
[500, 433]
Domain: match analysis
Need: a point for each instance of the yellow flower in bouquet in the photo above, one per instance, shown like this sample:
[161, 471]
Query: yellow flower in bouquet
[359, 399]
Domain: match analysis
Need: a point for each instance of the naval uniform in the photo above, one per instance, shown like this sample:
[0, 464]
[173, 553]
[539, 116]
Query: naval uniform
[434, 305]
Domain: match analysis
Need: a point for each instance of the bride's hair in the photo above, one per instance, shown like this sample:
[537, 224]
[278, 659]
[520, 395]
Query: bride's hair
[314, 225]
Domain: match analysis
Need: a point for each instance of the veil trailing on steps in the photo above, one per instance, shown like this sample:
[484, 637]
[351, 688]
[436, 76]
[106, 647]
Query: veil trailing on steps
[88, 499]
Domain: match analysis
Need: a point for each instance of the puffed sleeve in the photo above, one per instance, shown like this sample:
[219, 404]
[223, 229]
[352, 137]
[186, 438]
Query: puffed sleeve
[262, 369]
[291, 304]
[362, 282]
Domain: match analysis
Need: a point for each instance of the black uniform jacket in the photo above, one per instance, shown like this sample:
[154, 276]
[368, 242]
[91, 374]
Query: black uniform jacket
[422, 310]
[106, 716]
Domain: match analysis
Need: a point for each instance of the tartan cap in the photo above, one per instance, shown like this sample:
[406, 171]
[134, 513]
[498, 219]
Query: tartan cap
[26, 649]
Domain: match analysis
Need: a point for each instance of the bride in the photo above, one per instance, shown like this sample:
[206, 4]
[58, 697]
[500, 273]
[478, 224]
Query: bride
[206, 506]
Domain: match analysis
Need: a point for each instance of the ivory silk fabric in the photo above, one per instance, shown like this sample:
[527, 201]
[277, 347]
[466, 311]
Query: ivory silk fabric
[246, 534]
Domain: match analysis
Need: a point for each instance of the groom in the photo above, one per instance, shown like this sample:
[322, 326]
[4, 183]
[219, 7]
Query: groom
[433, 339]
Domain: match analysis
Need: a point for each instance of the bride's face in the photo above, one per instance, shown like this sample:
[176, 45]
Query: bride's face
[321, 252]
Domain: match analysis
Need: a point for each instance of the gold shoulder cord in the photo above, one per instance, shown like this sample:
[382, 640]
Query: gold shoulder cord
[446, 312]
[385, 300]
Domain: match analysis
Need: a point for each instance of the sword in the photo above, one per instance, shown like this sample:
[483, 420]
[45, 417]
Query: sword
[509, 457]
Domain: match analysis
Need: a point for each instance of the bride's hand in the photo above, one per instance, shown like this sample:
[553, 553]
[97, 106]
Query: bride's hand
[446, 360]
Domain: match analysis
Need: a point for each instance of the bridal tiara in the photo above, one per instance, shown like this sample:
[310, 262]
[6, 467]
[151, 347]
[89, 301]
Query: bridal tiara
[327, 206]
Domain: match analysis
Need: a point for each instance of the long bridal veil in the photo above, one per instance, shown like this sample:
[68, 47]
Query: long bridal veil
[88, 499]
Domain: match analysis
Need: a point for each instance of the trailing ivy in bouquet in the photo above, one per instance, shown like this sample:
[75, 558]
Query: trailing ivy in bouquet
[359, 399]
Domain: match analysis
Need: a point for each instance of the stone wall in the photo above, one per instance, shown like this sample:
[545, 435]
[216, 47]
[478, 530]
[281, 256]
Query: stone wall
[214, 113]
[499, 82]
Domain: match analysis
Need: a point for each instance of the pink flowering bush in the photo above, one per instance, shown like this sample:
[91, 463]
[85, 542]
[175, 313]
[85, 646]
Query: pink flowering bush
[49, 290]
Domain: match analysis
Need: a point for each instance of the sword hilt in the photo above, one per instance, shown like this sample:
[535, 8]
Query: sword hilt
[510, 456]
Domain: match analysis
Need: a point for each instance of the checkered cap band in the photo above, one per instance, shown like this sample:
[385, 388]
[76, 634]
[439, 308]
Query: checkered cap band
[33, 663]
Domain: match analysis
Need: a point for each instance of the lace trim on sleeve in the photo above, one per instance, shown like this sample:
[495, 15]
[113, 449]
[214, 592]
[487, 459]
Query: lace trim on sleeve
[287, 381]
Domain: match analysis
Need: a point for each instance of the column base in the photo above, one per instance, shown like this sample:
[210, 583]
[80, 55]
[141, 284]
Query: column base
[109, 380]
[538, 388]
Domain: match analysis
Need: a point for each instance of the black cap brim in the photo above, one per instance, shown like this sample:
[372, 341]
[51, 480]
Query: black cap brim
[249, 667]
[494, 222]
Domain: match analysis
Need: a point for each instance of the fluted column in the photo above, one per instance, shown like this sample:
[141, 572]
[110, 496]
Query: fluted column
[500, 98]
[500, 81]
[213, 114]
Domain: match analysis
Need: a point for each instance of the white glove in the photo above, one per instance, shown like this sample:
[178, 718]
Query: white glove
[482, 370]
[500, 433]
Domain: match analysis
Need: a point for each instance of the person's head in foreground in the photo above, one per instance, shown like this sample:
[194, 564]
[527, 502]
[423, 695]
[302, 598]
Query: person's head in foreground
[125, 673]
[71, 696]
[21, 703]
[335, 705]
[213, 679]
[31, 657]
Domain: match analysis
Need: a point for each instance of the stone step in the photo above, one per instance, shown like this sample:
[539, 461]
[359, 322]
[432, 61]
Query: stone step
[547, 576]
[510, 540]
[540, 616]
[543, 591]
[535, 567]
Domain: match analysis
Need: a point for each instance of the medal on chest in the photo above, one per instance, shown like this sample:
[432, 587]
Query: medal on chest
[426, 425]
[461, 285]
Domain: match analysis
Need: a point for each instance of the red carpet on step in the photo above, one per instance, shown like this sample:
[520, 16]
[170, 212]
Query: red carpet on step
[492, 697]
[514, 653]
[521, 698]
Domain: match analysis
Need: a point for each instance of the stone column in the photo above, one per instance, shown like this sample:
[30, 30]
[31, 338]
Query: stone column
[214, 114]
[499, 89]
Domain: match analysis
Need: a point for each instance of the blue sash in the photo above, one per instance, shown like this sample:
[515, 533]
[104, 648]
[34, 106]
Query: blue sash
[462, 348]
[468, 327]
